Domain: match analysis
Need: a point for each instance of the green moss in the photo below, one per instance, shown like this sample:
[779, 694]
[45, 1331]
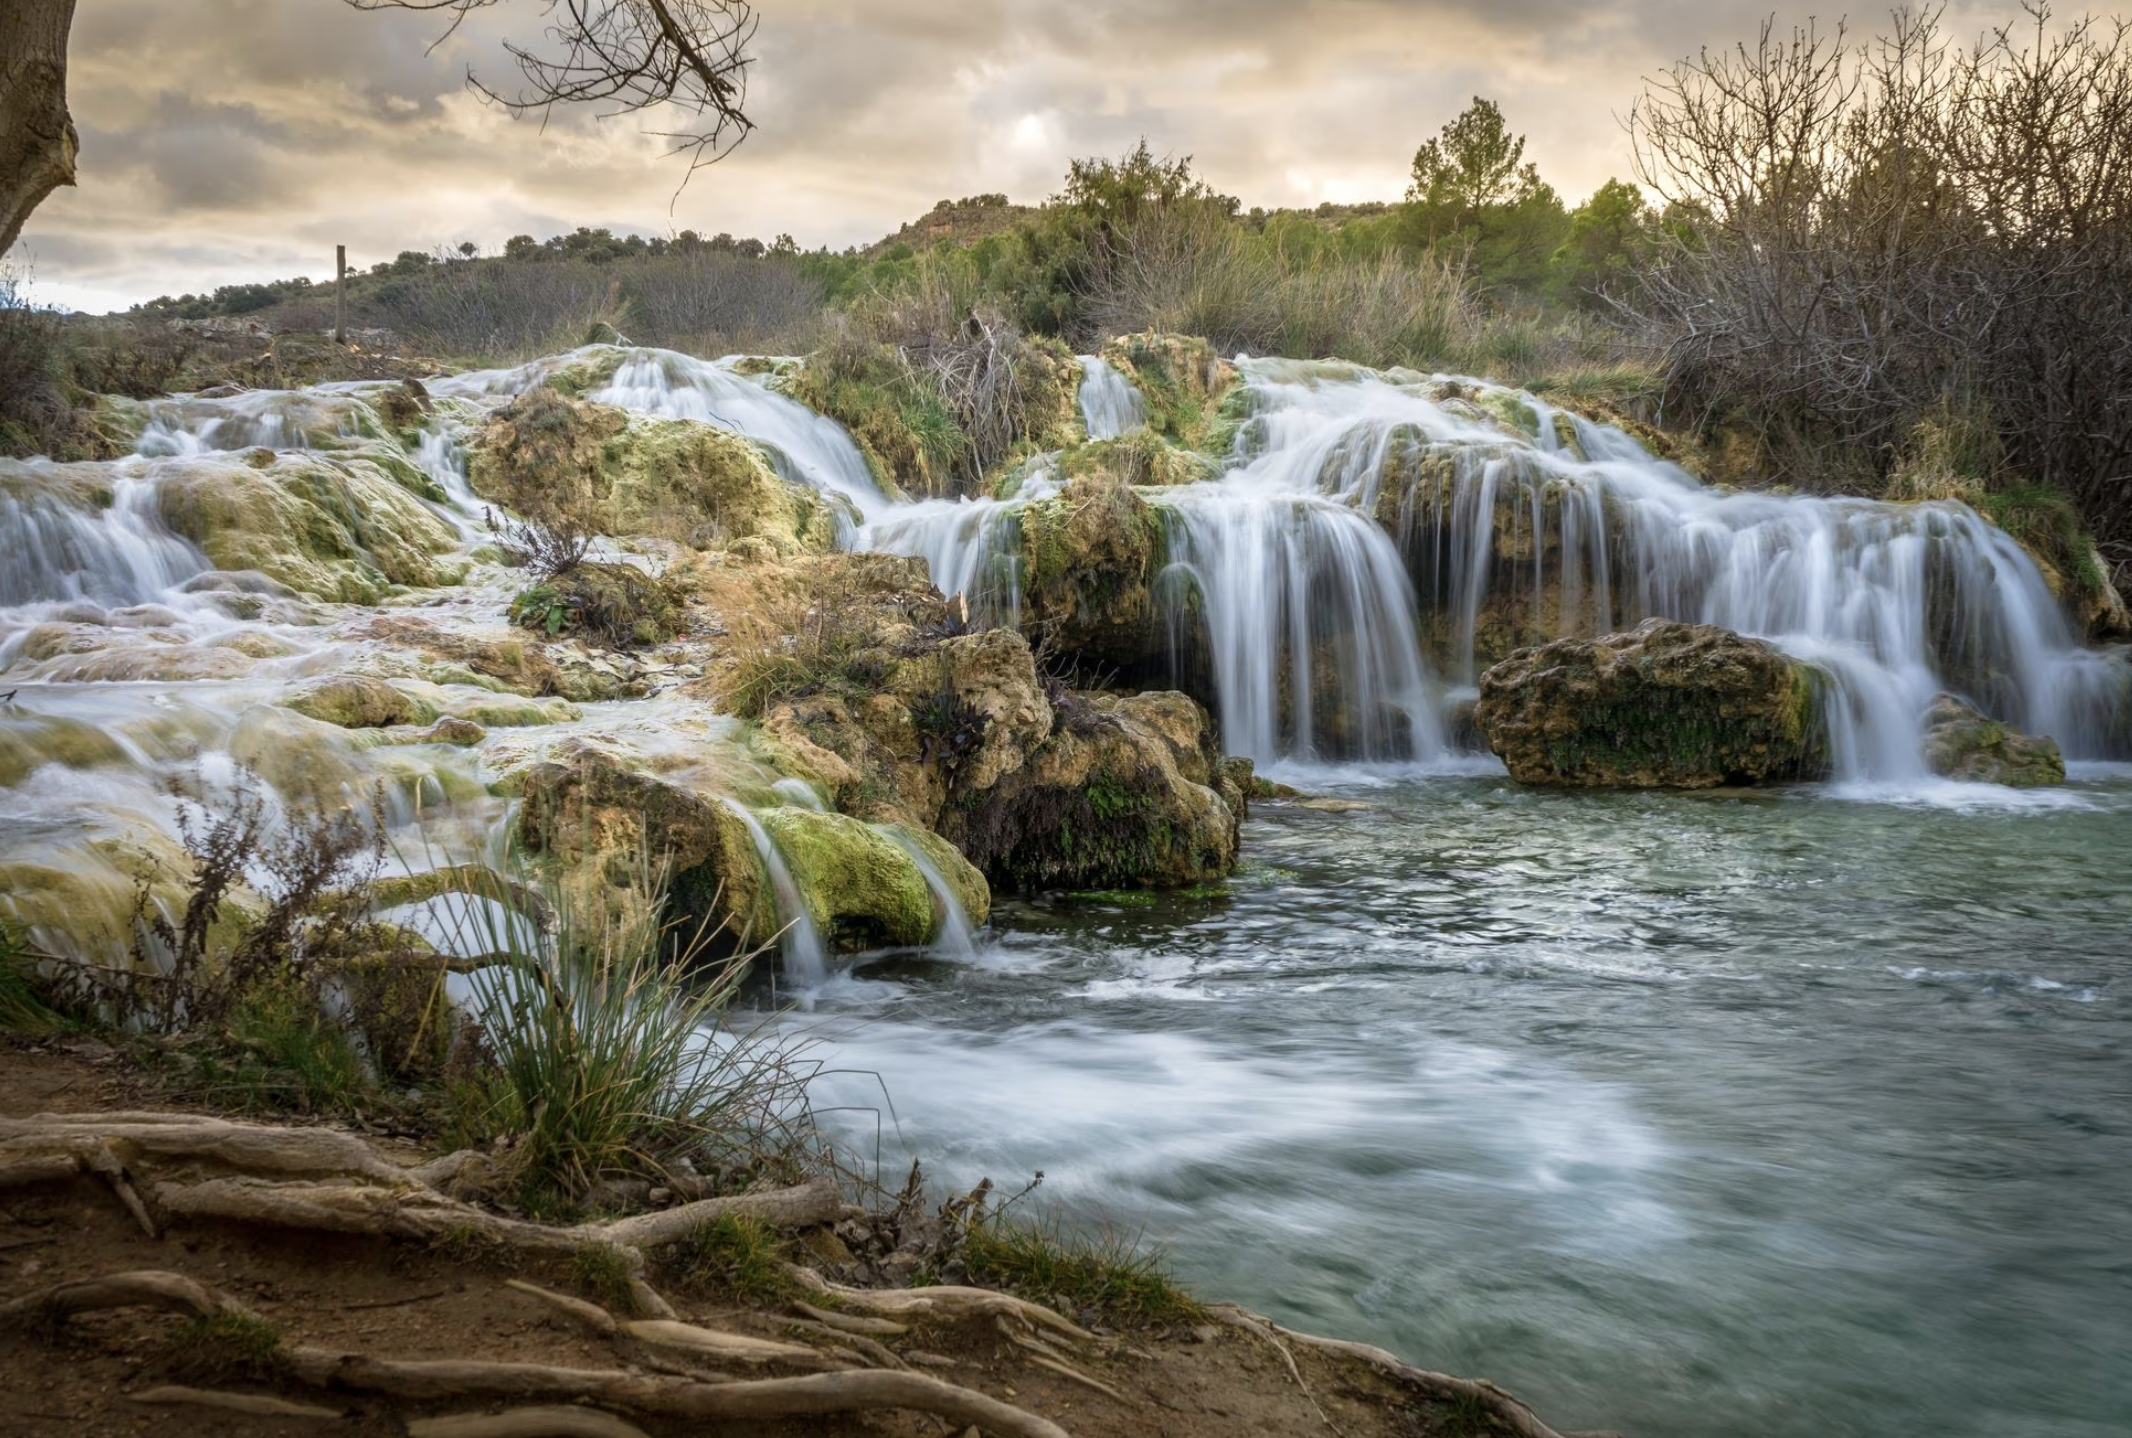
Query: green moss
[1046, 1262]
[616, 604]
[861, 887]
[909, 438]
[1182, 380]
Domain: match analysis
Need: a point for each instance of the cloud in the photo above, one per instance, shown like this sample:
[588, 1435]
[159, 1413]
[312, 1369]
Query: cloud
[235, 139]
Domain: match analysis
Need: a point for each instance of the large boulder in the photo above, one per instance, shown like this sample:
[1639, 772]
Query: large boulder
[1665, 705]
[627, 474]
[1962, 742]
[1123, 795]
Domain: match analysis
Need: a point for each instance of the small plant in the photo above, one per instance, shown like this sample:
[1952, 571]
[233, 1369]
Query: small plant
[227, 1347]
[608, 1054]
[603, 1272]
[1046, 1261]
[737, 1255]
[542, 607]
[23, 1005]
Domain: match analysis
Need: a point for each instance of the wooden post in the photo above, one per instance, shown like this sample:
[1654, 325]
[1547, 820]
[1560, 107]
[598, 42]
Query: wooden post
[340, 294]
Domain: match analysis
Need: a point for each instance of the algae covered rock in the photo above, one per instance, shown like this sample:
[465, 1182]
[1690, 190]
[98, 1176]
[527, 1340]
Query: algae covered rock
[1117, 798]
[548, 456]
[330, 529]
[1183, 381]
[1089, 557]
[352, 701]
[1961, 742]
[862, 887]
[1665, 705]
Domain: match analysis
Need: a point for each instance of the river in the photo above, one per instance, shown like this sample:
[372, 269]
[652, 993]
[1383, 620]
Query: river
[1778, 1113]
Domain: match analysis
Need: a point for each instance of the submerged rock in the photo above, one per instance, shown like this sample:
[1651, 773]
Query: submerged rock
[1962, 742]
[1665, 705]
[352, 701]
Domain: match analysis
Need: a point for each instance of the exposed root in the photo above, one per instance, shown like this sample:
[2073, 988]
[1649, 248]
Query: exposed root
[945, 1302]
[878, 1355]
[1067, 1370]
[1505, 1409]
[536, 1422]
[1236, 1317]
[255, 1403]
[853, 1323]
[448, 1380]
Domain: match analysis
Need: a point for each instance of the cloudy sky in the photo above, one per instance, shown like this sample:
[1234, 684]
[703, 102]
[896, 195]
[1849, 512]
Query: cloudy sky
[227, 140]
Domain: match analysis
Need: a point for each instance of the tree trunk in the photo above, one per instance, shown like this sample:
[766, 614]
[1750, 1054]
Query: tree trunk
[37, 139]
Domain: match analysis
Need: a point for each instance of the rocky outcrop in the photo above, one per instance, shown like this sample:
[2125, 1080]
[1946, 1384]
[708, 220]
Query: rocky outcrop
[636, 475]
[1122, 795]
[862, 886]
[1089, 557]
[1665, 705]
[1962, 742]
[326, 528]
[1183, 382]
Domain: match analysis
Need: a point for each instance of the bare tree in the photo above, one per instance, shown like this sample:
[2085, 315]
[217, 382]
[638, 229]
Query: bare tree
[1867, 235]
[629, 55]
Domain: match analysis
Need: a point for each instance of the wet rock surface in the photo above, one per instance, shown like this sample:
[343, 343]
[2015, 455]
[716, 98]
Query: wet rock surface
[1664, 705]
[1962, 742]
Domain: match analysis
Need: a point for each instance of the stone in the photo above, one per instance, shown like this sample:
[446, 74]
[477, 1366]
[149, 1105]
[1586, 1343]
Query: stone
[1664, 705]
[1962, 742]
[1109, 801]
[353, 701]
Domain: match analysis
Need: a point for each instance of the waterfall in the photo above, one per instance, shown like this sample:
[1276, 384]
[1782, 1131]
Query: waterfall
[955, 938]
[801, 444]
[69, 541]
[806, 960]
[1377, 540]
[1110, 406]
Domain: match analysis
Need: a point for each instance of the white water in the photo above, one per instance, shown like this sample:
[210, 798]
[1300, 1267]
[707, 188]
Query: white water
[955, 938]
[1335, 581]
[806, 958]
[1110, 406]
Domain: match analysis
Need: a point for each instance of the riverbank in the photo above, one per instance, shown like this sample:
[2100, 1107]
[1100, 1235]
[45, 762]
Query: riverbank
[391, 1308]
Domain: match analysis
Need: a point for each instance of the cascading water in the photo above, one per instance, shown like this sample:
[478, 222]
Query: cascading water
[806, 960]
[1378, 540]
[1110, 406]
[955, 938]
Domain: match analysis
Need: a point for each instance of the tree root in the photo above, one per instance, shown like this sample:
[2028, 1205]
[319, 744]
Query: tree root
[459, 1380]
[1508, 1411]
[537, 1422]
[853, 1323]
[254, 1403]
[945, 1302]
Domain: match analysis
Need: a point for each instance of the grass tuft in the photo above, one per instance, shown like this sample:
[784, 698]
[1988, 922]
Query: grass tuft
[225, 1348]
[1115, 1274]
[736, 1255]
[604, 1273]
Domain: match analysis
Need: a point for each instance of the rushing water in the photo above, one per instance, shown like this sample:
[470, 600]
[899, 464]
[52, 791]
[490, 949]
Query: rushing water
[1730, 1113]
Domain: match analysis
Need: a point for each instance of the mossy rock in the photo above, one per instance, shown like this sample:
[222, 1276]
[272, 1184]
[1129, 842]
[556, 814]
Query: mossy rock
[329, 529]
[28, 743]
[1665, 705]
[909, 438]
[546, 454]
[1963, 743]
[1137, 458]
[1183, 381]
[352, 701]
[1089, 557]
[860, 885]
[1109, 801]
